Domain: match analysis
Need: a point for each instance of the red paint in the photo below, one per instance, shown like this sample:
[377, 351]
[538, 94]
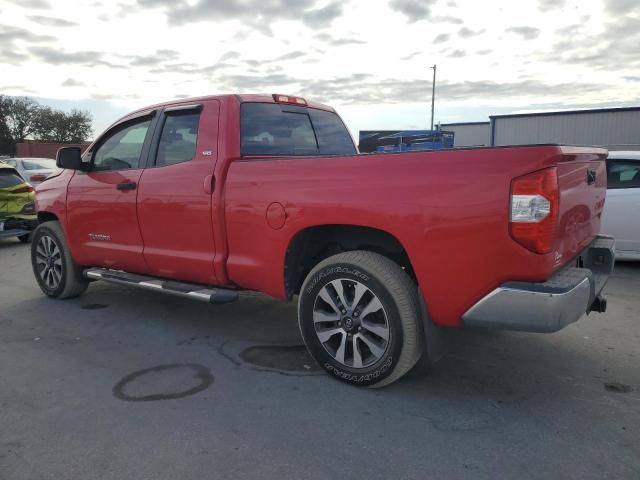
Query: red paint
[449, 210]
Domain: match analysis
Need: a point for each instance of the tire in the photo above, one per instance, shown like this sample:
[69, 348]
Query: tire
[56, 273]
[354, 338]
[25, 238]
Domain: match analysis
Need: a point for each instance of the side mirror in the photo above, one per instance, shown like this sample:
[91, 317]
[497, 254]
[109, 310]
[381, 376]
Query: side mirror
[70, 158]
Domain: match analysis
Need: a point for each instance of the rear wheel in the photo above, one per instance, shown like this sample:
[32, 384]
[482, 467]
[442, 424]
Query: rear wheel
[56, 273]
[359, 317]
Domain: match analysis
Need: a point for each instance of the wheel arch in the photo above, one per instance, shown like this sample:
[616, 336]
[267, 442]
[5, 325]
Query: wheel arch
[45, 216]
[313, 244]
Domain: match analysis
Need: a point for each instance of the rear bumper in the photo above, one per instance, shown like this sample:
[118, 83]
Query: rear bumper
[551, 305]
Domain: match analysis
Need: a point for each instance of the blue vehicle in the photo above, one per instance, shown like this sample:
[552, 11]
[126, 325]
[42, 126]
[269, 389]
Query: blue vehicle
[395, 141]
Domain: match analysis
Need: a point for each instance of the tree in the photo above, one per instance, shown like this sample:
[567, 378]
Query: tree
[20, 115]
[79, 125]
[23, 117]
[7, 145]
[60, 127]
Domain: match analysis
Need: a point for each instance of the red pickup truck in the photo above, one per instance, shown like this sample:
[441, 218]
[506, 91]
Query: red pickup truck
[210, 196]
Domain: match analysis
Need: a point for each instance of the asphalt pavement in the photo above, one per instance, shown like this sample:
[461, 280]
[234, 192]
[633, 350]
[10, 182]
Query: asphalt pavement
[129, 384]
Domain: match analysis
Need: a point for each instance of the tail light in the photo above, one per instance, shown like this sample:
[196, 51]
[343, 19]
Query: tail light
[38, 178]
[25, 189]
[535, 202]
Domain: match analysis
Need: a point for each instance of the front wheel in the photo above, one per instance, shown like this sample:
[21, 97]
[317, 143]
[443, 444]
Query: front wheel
[56, 273]
[358, 313]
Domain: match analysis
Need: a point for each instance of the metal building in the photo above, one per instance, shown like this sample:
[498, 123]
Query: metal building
[614, 128]
[469, 134]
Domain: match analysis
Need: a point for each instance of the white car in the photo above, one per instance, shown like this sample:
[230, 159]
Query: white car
[621, 216]
[33, 170]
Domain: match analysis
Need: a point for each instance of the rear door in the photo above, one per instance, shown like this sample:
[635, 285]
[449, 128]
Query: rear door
[102, 221]
[623, 203]
[175, 194]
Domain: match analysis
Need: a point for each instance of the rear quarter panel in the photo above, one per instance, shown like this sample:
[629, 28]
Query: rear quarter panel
[448, 209]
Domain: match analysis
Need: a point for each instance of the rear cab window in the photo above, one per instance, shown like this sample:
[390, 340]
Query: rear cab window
[290, 130]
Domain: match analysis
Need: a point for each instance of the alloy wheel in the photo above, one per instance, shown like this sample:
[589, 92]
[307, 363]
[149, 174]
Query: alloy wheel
[351, 323]
[49, 262]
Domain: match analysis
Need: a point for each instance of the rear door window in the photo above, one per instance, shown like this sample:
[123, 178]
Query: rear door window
[274, 129]
[623, 174]
[178, 139]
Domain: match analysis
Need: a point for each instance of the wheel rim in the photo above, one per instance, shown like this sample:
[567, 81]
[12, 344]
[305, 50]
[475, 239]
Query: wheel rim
[351, 323]
[49, 262]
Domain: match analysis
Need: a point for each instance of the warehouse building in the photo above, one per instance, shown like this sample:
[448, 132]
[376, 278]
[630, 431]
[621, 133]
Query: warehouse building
[469, 134]
[614, 128]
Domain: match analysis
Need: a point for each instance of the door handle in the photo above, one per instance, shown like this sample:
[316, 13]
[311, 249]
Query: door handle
[209, 184]
[126, 186]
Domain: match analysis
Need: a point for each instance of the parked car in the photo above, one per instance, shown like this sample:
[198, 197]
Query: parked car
[33, 170]
[209, 196]
[621, 216]
[17, 205]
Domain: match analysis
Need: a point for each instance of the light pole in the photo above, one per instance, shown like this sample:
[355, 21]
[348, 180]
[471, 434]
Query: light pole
[433, 93]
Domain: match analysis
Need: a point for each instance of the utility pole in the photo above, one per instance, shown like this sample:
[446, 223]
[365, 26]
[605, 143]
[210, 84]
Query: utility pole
[433, 93]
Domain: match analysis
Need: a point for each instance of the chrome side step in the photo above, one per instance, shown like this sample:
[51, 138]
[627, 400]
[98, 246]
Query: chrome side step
[189, 290]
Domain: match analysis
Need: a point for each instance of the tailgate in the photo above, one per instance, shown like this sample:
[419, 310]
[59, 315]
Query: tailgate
[582, 181]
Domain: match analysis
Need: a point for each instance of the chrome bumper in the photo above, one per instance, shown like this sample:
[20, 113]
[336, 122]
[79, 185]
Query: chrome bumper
[551, 305]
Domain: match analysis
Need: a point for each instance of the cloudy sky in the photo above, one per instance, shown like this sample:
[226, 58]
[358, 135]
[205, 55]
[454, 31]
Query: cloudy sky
[369, 59]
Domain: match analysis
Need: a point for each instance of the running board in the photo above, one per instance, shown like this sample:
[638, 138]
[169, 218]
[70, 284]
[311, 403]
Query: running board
[189, 290]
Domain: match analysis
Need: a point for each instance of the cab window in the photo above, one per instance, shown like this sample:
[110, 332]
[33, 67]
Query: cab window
[178, 139]
[274, 129]
[121, 149]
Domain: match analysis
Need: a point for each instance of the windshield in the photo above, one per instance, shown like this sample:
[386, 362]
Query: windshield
[275, 129]
[40, 164]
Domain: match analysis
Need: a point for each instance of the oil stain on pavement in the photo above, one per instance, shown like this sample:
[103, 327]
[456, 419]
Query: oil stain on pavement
[283, 359]
[291, 358]
[164, 382]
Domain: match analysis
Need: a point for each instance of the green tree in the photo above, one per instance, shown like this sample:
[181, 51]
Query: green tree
[61, 127]
[7, 145]
[20, 115]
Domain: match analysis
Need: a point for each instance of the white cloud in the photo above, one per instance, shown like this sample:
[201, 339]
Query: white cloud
[368, 59]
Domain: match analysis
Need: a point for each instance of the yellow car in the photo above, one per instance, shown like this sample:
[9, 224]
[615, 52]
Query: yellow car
[17, 205]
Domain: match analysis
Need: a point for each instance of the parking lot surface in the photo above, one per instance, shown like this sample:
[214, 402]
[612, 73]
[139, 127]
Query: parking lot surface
[129, 384]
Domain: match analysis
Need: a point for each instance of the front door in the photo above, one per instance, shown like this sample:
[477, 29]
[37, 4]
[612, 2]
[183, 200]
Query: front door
[102, 221]
[175, 194]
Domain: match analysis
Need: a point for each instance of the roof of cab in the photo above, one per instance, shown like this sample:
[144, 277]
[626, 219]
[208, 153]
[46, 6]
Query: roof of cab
[242, 98]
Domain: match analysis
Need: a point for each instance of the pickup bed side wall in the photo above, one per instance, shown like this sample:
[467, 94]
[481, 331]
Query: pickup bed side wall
[449, 210]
